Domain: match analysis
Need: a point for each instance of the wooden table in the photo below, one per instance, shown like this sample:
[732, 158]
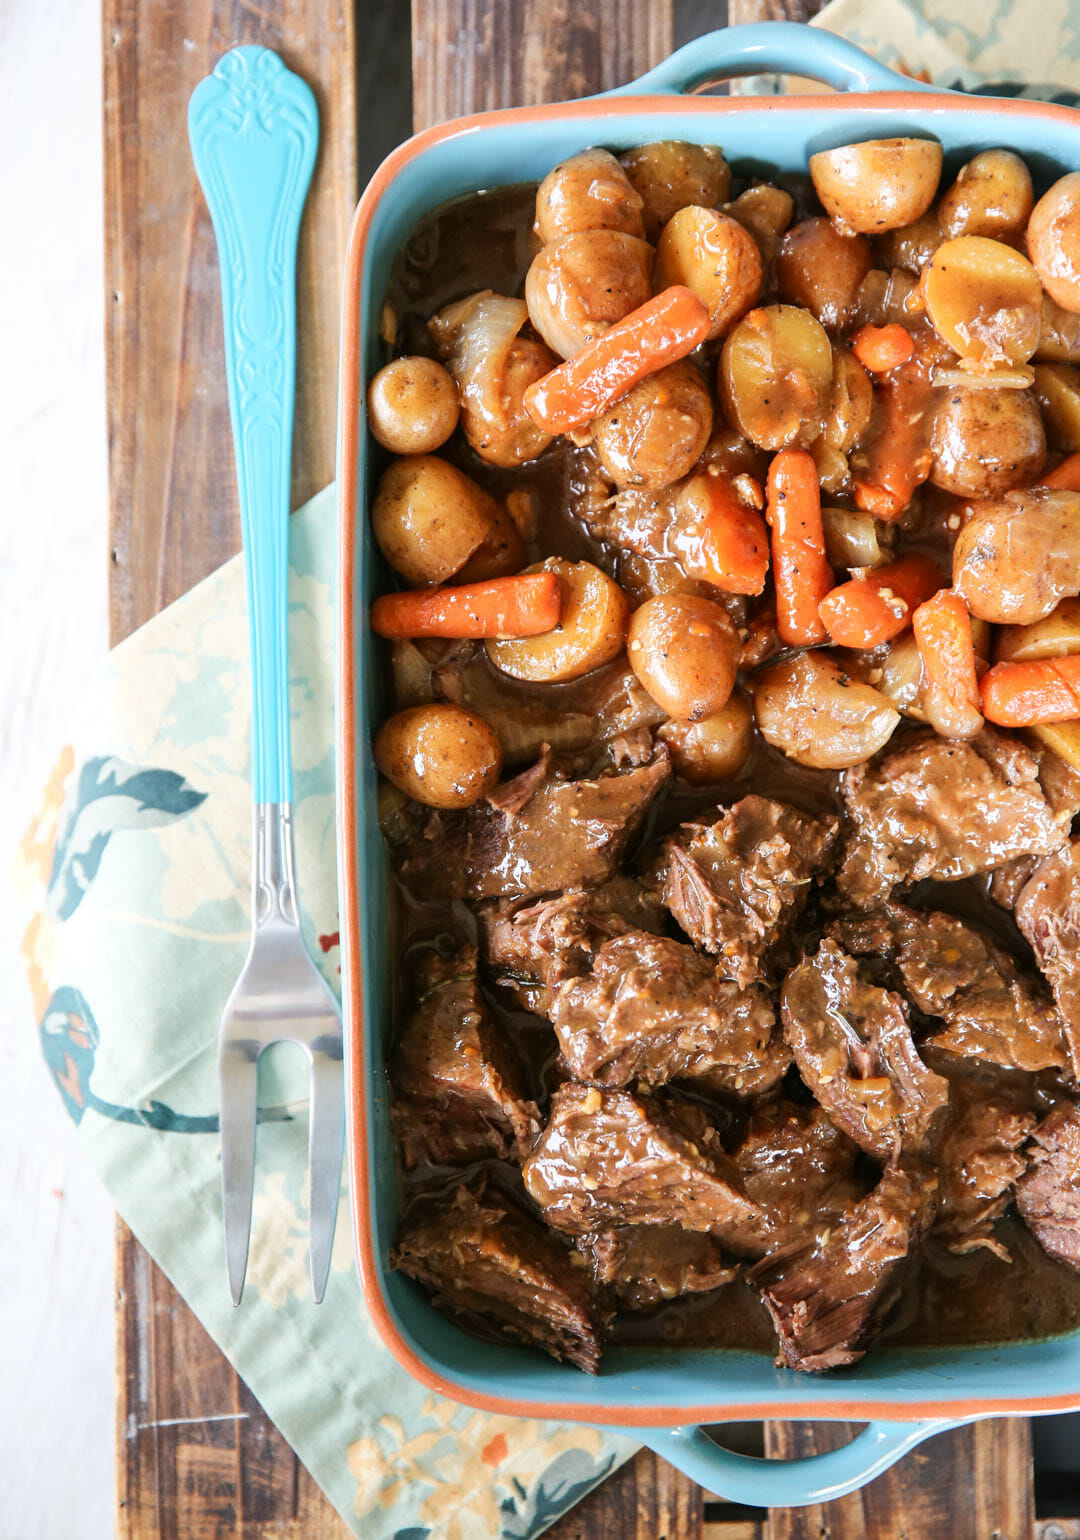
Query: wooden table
[197, 1456]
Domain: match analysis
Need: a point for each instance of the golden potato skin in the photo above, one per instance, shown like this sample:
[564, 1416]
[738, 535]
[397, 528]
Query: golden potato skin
[716, 258]
[583, 284]
[880, 184]
[992, 196]
[440, 755]
[412, 406]
[589, 191]
[984, 299]
[986, 442]
[428, 518]
[671, 174]
[776, 375]
[716, 748]
[809, 709]
[818, 267]
[685, 651]
[592, 630]
[656, 434]
[1053, 241]
[766, 211]
[1018, 555]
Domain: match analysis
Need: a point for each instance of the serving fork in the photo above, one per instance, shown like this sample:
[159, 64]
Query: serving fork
[253, 128]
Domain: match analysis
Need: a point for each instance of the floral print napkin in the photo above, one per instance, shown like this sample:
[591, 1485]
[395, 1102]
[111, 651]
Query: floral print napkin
[135, 875]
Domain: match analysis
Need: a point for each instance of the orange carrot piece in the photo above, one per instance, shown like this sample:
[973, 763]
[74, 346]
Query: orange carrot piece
[943, 636]
[801, 570]
[666, 328]
[527, 604]
[866, 611]
[1024, 694]
[881, 348]
[1064, 477]
[729, 546]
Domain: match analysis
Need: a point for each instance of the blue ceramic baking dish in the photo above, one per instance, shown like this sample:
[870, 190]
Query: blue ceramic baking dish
[663, 1396]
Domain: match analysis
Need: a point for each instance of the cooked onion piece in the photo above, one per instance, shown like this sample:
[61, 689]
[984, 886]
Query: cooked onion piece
[852, 539]
[984, 299]
[986, 442]
[592, 630]
[899, 675]
[1057, 388]
[657, 432]
[580, 286]
[992, 196]
[1053, 240]
[776, 375]
[911, 246]
[440, 755]
[818, 715]
[878, 185]
[714, 257]
[671, 174]
[589, 191]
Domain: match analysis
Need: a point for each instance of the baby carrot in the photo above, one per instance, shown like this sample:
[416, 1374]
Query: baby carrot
[869, 610]
[666, 328]
[1064, 477]
[801, 571]
[1025, 694]
[881, 348]
[527, 604]
[942, 629]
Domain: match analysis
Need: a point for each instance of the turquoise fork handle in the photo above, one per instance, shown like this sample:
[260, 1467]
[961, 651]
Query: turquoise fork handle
[254, 129]
[817, 1478]
[770, 47]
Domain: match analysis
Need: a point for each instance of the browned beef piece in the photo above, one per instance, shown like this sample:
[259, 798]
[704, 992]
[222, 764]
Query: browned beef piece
[478, 1254]
[852, 1043]
[456, 1088]
[1048, 914]
[991, 1010]
[648, 1264]
[654, 1010]
[800, 1168]
[1007, 882]
[828, 1296]
[749, 1081]
[609, 1158]
[569, 834]
[979, 1161]
[734, 884]
[534, 946]
[1048, 1195]
[943, 809]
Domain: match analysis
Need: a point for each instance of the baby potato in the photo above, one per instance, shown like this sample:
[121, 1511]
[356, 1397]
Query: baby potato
[428, 518]
[822, 269]
[501, 552]
[984, 299]
[670, 174]
[657, 432]
[1054, 637]
[851, 402]
[911, 246]
[878, 185]
[589, 191]
[412, 406]
[1017, 556]
[986, 442]
[592, 630]
[716, 258]
[714, 749]
[685, 651]
[440, 755]
[766, 211]
[776, 375]
[1057, 389]
[816, 714]
[1053, 241]
[580, 286]
[992, 196]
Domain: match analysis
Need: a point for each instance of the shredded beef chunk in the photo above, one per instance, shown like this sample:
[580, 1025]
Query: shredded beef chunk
[648, 1264]
[979, 1162]
[654, 1010]
[478, 1254]
[829, 1296]
[1048, 914]
[800, 1168]
[949, 969]
[852, 1043]
[534, 946]
[568, 834]
[1048, 1195]
[457, 1096]
[609, 1158]
[735, 884]
[943, 809]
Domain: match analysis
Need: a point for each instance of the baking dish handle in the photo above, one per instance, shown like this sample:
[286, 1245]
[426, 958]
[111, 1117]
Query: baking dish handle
[770, 47]
[816, 1478]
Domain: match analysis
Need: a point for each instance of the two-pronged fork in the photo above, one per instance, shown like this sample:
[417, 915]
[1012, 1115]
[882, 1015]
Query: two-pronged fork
[254, 130]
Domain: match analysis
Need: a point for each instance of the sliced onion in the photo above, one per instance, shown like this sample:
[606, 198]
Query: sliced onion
[477, 340]
[1019, 377]
[851, 539]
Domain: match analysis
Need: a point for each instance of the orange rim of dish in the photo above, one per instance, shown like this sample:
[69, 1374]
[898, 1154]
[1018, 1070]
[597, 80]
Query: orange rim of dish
[859, 1409]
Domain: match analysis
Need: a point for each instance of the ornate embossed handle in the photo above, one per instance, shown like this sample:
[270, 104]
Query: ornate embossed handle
[254, 128]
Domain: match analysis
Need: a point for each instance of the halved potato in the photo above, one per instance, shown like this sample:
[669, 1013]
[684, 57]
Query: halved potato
[1055, 636]
[1057, 387]
[1062, 737]
[984, 299]
[716, 258]
[820, 716]
[713, 750]
[878, 185]
[776, 375]
[592, 630]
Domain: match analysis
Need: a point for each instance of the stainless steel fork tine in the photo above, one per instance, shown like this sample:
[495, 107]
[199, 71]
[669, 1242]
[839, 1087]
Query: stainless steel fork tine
[238, 1068]
[326, 1142]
